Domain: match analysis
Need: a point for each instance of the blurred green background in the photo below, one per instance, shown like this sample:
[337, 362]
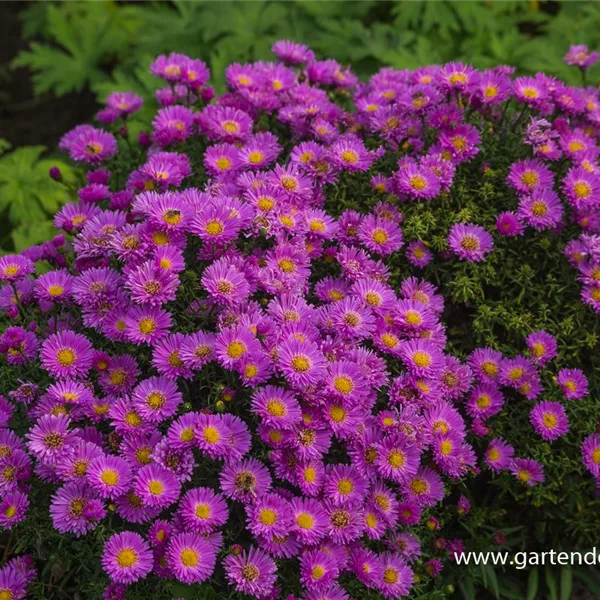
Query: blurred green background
[59, 60]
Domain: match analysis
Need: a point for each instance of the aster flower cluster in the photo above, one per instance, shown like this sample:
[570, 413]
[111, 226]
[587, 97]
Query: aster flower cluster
[218, 341]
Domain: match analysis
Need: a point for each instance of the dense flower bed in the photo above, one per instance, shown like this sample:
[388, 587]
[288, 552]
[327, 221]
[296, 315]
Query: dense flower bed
[295, 330]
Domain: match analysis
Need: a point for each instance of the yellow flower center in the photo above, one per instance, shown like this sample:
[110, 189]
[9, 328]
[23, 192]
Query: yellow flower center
[211, 435]
[66, 357]
[127, 557]
[189, 558]
[396, 459]
[235, 350]
[56, 290]
[305, 521]
[267, 517]
[418, 183]
[419, 486]
[301, 364]
[109, 477]
[421, 359]
[147, 325]
[380, 236]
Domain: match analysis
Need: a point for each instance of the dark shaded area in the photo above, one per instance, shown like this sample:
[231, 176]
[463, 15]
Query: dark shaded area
[25, 119]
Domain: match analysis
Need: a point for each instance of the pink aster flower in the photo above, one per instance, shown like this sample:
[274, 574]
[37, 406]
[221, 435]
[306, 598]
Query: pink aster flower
[157, 486]
[542, 346]
[549, 419]
[380, 236]
[573, 383]
[470, 242]
[252, 572]
[542, 210]
[127, 557]
[527, 471]
[203, 510]
[191, 557]
[590, 454]
[109, 476]
[14, 267]
[66, 354]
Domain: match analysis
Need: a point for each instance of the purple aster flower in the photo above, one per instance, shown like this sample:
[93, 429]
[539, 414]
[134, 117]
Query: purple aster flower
[424, 488]
[301, 362]
[397, 577]
[418, 254]
[226, 283]
[580, 56]
[252, 572]
[269, 516]
[573, 383]
[203, 510]
[345, 523]
[486, 362]
[124, 103]
[508, 224]
[88, 144]
[542, 210]
[470, 242]
[54, 286]
[367, 567]
[422, 357]
[317, 569]
[380, 236]
[224, 123]
[151, 286]
[485, 401]
[292, 53]
[146, 324]
[549, 419]
[50, 438]
[590, 453]
[157, 486]
[344, 485]
[156, 399]
[418, 183]
[309, 520]
[527, 471]
[397, 458]
[581, 187]
[245, 480]
[191, 557]
[515, 371]
[172, 124]
[66, 354]
[127, 557]
[13, 583]
[14, 267]
[527, 176]
[13, 509]
[109, 476]
[277, 407]
[456, 76]
[542, 346]
[70, 509]
[19, 345]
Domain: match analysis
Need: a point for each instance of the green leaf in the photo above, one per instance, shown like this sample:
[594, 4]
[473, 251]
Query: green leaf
[566, 583]
[84, 36]
[29, 234]
[551, 584]
[533, 583]
[26, 190]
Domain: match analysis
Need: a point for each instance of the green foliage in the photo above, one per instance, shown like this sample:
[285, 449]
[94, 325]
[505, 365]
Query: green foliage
[86, 38]
[28, 197]
[92, 43]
